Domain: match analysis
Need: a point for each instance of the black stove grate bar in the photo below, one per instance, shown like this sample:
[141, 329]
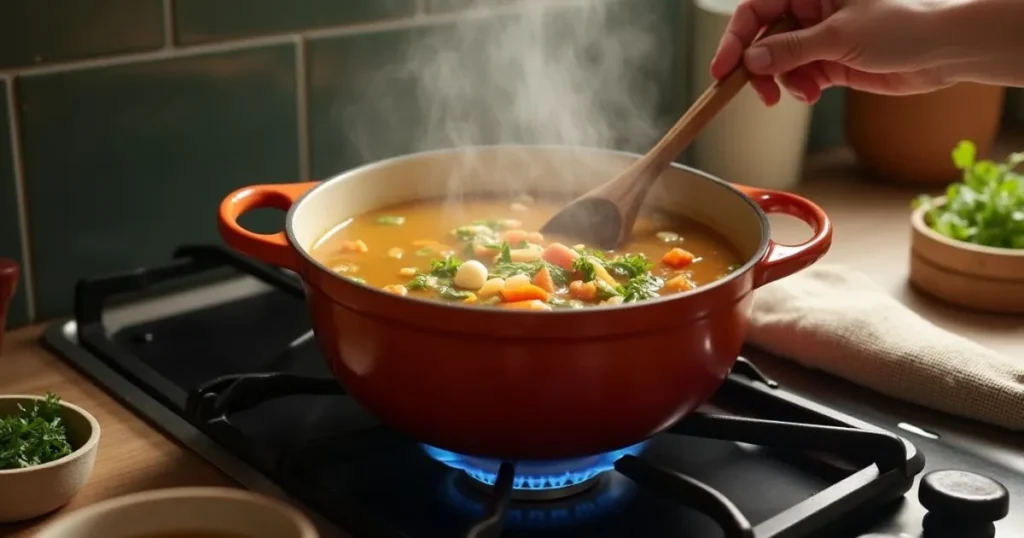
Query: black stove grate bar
[491, 526]
[883, 449]
[233, 393]
[691, 492]
[886, 453]
[92, 296]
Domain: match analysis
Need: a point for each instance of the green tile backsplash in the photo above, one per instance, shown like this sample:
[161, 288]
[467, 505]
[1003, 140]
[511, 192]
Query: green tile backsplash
[126, 158]
[10, 235]
[200, 21]
[126, 162]
[46, 31]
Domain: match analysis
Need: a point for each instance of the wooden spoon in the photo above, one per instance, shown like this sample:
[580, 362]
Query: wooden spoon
[605, 216]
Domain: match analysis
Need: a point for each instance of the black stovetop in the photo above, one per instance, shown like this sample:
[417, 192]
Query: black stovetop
[229, 368]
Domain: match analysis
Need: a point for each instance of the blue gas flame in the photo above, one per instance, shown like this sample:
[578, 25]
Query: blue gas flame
[535, 475]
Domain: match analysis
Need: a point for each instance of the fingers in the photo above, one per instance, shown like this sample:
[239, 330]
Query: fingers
[767, 89]
[782, 53]
[805, 83]
[748, 19]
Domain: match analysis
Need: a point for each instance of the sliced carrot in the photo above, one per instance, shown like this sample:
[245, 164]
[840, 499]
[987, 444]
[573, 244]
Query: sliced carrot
[514, 237]
[354, 246]
[523, 293]
[679, 283]
[533, 304]
[560, 255]
[544, 281]
[677, 258]
[584, 291]
[481, 251]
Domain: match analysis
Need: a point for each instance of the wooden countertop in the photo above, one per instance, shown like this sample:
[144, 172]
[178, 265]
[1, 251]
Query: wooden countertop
[871, 232]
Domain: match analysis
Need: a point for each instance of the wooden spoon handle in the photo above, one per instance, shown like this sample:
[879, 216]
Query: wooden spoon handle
[710, 103]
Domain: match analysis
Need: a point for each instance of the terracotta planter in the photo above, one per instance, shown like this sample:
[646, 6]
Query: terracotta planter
[972, 276]
[907, 139]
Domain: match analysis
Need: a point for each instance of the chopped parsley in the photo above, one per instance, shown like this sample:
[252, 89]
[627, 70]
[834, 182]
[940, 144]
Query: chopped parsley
[986, 207]
[585, 267]
[630, 265]
[560, 277]
[453, 294]
[641, 288]
[445, 268]
[494, 224]
[504, 253]
[606, 290]
[34, 435]
[390, 220]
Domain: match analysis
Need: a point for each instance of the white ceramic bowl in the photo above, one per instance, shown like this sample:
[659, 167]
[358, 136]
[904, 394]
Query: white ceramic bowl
[34, 491]
[234, 512]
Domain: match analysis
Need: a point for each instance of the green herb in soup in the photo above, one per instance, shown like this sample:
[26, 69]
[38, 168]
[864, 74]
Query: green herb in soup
[986, 207]
[34, 435]
[488, 253]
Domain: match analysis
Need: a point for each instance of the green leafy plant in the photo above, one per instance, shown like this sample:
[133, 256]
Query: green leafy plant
[34, 435]
[986, 207]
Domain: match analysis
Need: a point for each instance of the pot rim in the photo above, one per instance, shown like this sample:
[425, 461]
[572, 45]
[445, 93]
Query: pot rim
[921, 227]
[87, 446]
[759, 254]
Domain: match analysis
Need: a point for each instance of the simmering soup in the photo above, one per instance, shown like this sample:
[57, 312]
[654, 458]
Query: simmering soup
[488, 253]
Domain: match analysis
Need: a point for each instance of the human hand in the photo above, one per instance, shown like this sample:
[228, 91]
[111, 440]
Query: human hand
[879, 46]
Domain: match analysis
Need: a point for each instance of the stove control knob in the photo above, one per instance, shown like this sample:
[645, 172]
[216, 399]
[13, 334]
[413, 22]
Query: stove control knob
[962, 504]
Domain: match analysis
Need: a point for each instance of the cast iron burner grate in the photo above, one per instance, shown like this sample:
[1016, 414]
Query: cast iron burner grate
[274, 412]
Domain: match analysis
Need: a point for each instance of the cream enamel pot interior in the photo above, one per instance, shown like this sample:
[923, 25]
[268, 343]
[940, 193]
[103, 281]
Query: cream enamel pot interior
[525, 385]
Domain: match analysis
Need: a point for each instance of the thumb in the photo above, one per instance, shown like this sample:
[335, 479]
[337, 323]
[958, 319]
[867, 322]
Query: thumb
[781, 53]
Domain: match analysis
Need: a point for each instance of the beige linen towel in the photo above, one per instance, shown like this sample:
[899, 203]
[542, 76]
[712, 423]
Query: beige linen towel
[838, 320]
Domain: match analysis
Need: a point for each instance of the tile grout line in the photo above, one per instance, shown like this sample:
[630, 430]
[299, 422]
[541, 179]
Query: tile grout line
[168, 12]
[164, 53]
[14, 120]
[302, 103]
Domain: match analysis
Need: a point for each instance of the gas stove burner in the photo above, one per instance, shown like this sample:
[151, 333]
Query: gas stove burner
[539, 494]
[537, 480]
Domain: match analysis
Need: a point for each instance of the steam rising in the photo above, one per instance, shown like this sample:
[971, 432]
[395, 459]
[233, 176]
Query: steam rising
[570, 72]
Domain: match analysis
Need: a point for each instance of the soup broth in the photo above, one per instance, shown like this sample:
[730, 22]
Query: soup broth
[489, 253]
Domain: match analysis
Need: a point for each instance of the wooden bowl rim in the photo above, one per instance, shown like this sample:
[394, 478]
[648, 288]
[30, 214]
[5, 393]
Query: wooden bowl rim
[919, 225]
[305, 526]
[88, 446]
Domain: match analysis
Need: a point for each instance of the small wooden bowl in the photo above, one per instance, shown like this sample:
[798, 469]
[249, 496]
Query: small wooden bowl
[34, 491]
[972, 276]
[183, 512]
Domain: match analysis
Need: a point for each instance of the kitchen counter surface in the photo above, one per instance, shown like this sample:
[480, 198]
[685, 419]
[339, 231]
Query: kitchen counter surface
[871, 233]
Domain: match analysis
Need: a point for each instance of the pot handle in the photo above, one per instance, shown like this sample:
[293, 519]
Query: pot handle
[9, 273]
[781, 260]
[269, 248]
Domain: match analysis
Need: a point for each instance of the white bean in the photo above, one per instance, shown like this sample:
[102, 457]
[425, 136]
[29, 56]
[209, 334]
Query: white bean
[516, 281]
[491, 288]
[526, 255]
[471, 275]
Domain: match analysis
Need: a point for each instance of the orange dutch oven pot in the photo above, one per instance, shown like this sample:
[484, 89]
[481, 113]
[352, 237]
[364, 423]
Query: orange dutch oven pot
[519, 385]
